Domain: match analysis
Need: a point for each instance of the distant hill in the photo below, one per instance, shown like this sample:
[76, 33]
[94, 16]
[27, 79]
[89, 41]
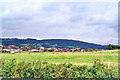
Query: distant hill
[57, 43]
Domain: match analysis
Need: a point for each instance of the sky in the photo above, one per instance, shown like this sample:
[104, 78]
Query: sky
[94, 22]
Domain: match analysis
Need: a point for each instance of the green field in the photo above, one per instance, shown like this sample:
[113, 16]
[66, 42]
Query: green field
[78, 58]
[103, 64]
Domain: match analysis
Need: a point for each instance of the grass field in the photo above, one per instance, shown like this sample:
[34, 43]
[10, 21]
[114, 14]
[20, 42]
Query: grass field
[78, 58]
[33, 65]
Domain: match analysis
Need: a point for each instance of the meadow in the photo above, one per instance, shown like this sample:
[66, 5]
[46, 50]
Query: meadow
[108, 57]
[78, 58]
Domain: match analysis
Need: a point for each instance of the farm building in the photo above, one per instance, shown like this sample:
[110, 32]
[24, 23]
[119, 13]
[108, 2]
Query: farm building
[66, 50]
[34, 50]
[41, 49]
[11, 49]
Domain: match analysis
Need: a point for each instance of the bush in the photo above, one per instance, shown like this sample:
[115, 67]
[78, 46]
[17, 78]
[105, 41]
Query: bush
[50, 50]
[44, 70]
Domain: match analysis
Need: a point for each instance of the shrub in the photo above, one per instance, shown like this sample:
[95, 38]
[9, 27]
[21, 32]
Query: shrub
[44, 70]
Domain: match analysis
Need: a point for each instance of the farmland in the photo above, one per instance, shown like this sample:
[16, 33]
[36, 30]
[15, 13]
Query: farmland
[109, 57]
[78, 58]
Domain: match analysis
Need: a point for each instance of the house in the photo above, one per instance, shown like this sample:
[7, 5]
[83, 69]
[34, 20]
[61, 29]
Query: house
[11, 49]
[59, 50]
[41, 49]
[98, 50]
[26, 48]
[52, 50]
[72, 50]
[55, 50]
[6, 51]
[75, 50]
[66, 50]
[34, 50]
[83, 50]
[26, 51]
[1, 48]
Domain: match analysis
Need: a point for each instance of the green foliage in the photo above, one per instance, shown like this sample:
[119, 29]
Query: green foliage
[110, 47]
[63, 57]
[31, 45]
[71, 47]
[50, 50]
[45, 70]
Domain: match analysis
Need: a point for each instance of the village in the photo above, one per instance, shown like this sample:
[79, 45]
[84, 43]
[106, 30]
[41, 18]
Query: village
[15, 49]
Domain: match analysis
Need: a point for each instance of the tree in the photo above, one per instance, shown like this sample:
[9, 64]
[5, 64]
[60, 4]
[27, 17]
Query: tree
[32, 46]
[51, 50]
[111, 46]
[70, 47]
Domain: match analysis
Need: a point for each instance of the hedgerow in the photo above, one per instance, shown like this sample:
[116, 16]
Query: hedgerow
[45, 70]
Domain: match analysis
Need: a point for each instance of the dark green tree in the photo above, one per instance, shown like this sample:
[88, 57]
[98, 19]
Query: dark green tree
[111, 46]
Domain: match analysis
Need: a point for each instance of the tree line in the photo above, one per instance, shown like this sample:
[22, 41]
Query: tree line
[111, 47]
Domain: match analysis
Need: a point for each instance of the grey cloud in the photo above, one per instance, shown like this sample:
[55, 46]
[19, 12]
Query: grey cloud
[62, 20]
[16, 18]
[75, 18]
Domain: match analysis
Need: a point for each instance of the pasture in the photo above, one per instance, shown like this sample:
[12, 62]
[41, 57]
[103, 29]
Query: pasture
[103, 64]
[77, 58]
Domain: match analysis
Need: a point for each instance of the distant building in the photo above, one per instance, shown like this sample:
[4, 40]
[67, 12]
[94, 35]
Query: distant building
[11, 49]
[26, 48]
[66, 50]
[41, 49]
[83, 50]
[34, 50]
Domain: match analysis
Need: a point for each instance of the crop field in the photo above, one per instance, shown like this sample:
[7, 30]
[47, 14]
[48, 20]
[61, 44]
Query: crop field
[109, 57]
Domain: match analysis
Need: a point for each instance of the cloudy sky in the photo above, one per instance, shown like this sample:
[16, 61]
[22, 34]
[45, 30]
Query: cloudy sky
[94, 22]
